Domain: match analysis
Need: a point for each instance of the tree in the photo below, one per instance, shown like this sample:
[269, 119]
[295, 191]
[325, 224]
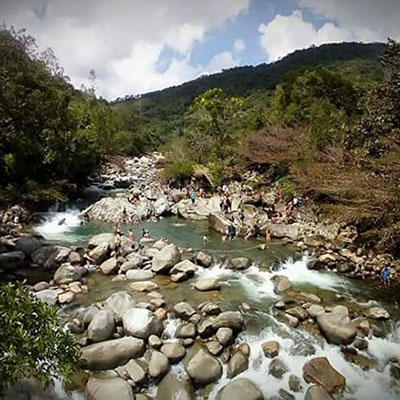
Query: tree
[32, 342]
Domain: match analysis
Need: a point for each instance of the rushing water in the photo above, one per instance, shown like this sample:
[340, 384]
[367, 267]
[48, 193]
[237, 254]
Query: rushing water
[254, 287]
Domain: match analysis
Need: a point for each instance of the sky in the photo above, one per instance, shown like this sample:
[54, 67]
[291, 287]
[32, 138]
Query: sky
[138, 46]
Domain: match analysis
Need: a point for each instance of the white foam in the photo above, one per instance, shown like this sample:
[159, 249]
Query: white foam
[298, 273]
[52, 229]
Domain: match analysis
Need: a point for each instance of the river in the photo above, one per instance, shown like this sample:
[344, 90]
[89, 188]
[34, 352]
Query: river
[254, 287]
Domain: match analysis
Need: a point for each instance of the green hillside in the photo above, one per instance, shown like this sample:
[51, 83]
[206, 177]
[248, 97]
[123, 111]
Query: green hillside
[165, 108]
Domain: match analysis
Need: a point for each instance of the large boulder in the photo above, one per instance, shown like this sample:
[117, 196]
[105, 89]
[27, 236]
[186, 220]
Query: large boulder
[109, 266]
[203, 368]
[119, 303]
[161, 206]
[173, 387]
[50, 257]
[320, 371]
[100, 253]
[316, 392]
[204, 259]
[134, 261]
[141, 323]
[27, 244]
[112, 353]
[281, 283]
[101, 239]
[138, 275]
[12, 260]
[48, 296]
[185, 266]
[166, 259]
[66, 274]
[158, 365]
[229, 319]
[205, 285]
[218, 222]
[106, 389]
[291, 232]
[240, 389]
[102, 326]
[239, 263]
[336, 327]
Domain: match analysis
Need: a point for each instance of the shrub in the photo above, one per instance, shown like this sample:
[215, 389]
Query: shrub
[32, 343]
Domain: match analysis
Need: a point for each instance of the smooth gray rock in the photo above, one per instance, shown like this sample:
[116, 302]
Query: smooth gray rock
[106, 389]
[316, 392]
[102, 326]
[173, 387]
[141, 323]
[158, 365]
[27, 244]
[66, 274]
[203, 368]
[119, 303]
[12, 260]
[166, 259]
[240, 389]
[112, 353]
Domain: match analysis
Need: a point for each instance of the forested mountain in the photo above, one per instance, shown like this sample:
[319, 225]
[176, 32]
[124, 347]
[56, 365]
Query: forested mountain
[166, 107]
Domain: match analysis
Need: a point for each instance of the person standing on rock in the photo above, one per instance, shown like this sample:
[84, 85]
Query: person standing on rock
[117, 241]
[193, 197]
[131, 236]
[385, 276]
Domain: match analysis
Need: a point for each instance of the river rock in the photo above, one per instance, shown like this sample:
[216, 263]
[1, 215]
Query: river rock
[166, 259]
[315, 310]
[229, 319]
[119, 303]
[135, 371]
[141, 323]
[295, 384]
[316, 392]
[134, 261]
[378, 313]
[204, 259]
[66, 274]
[100, 253]
[12, 260]
[271, 348]
[50, 257]
[27, 244]
[281, 283]
[155, 342]
[76, 258]
[185, 266]
[206, 327]
[173, 351]
[66, 297]
[184, 310]
[106, 389]
[337, 328]
[298, 312]
[218, 222]
[237, 364]
[109, 266]
[224, 336]
[214, 347]
[319, 371]
[277, 368]
[138, 275]
[143, 286]
[173, 387]
[112, 353]
[210, 308]
[205, 285]
[185, 331]
[41, 286]
[101, 239]
[89, 314]
[48, 296]
[239, 263]
[102, 326]
[240, 389]
[158, 365]
[291, 232]
[203, 368]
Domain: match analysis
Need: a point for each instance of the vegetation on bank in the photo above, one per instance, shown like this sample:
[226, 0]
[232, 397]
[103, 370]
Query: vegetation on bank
[32, 342]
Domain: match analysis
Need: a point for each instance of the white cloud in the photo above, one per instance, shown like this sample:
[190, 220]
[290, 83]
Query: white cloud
[221, 61]
[123, 39]
[239, 45]
[284, 34]
[369, 20]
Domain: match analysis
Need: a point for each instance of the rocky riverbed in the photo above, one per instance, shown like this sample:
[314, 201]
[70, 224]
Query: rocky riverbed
[146, 339]
[225, 320]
